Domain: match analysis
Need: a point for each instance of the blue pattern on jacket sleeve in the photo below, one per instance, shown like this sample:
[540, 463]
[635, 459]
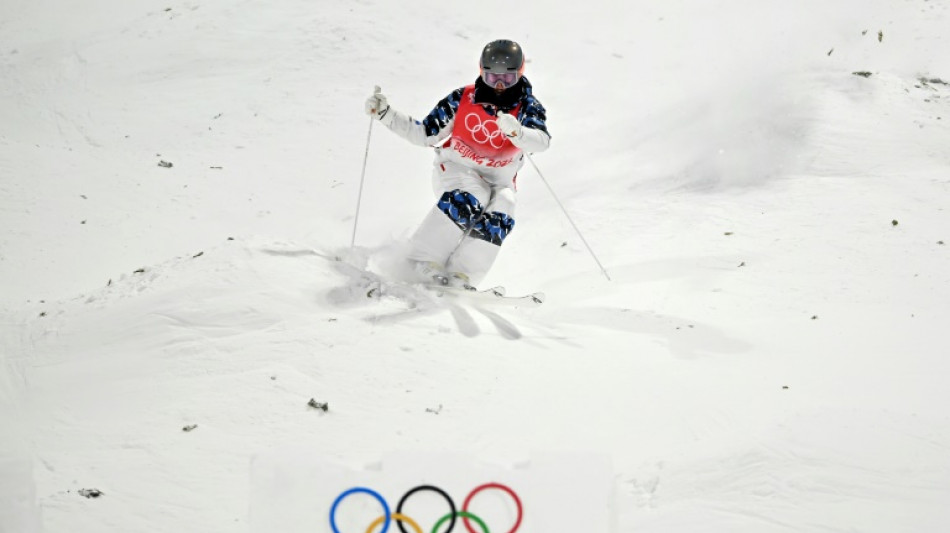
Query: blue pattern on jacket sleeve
[532, 114]
[442, 113]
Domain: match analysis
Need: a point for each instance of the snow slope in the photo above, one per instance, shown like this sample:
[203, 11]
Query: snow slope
[770, 354]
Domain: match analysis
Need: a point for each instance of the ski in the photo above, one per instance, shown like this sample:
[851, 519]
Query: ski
[492, 296]
[414, 294]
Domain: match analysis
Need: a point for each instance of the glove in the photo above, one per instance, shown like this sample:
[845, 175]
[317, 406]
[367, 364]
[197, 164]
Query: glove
[376, 105]
[510, 126]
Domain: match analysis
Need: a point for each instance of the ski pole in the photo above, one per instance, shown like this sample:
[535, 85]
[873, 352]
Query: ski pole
[468, 231]
[359, 198]
[563, 210]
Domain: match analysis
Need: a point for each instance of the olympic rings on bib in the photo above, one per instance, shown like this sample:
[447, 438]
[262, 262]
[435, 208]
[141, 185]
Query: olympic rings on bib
[388, 517]
[484, 132]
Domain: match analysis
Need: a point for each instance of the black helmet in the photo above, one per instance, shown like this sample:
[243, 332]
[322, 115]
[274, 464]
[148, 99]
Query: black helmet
[502, 64]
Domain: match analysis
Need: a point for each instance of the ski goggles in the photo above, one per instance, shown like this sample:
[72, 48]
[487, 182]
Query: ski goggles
[503, 79]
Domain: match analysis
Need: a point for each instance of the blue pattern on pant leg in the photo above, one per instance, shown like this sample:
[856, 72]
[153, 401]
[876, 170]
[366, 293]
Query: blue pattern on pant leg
[464, 210]
[461, 207]
[494, 227]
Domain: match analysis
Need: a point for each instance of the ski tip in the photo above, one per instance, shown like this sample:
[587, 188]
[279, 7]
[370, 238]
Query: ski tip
[538, 297]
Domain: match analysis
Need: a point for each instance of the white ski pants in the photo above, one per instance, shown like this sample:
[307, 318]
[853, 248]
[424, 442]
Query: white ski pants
[465, 229]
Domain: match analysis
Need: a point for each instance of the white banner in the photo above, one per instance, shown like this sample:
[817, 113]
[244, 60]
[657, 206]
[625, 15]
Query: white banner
[298, 491]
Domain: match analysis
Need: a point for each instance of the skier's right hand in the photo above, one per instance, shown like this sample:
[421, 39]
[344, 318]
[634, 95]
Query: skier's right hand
[376, 105]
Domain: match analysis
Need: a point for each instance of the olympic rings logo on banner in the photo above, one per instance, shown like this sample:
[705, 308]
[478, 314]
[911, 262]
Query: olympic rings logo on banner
[388, 517]
[484, 132]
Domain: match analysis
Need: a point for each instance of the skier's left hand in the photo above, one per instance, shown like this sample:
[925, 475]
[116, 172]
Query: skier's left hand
[510, 126]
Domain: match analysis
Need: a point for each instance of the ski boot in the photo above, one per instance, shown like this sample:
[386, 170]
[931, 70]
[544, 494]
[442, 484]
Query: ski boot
[433, 273]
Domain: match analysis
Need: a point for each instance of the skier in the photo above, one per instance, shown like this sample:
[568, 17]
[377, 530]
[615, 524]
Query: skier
[480, 133]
